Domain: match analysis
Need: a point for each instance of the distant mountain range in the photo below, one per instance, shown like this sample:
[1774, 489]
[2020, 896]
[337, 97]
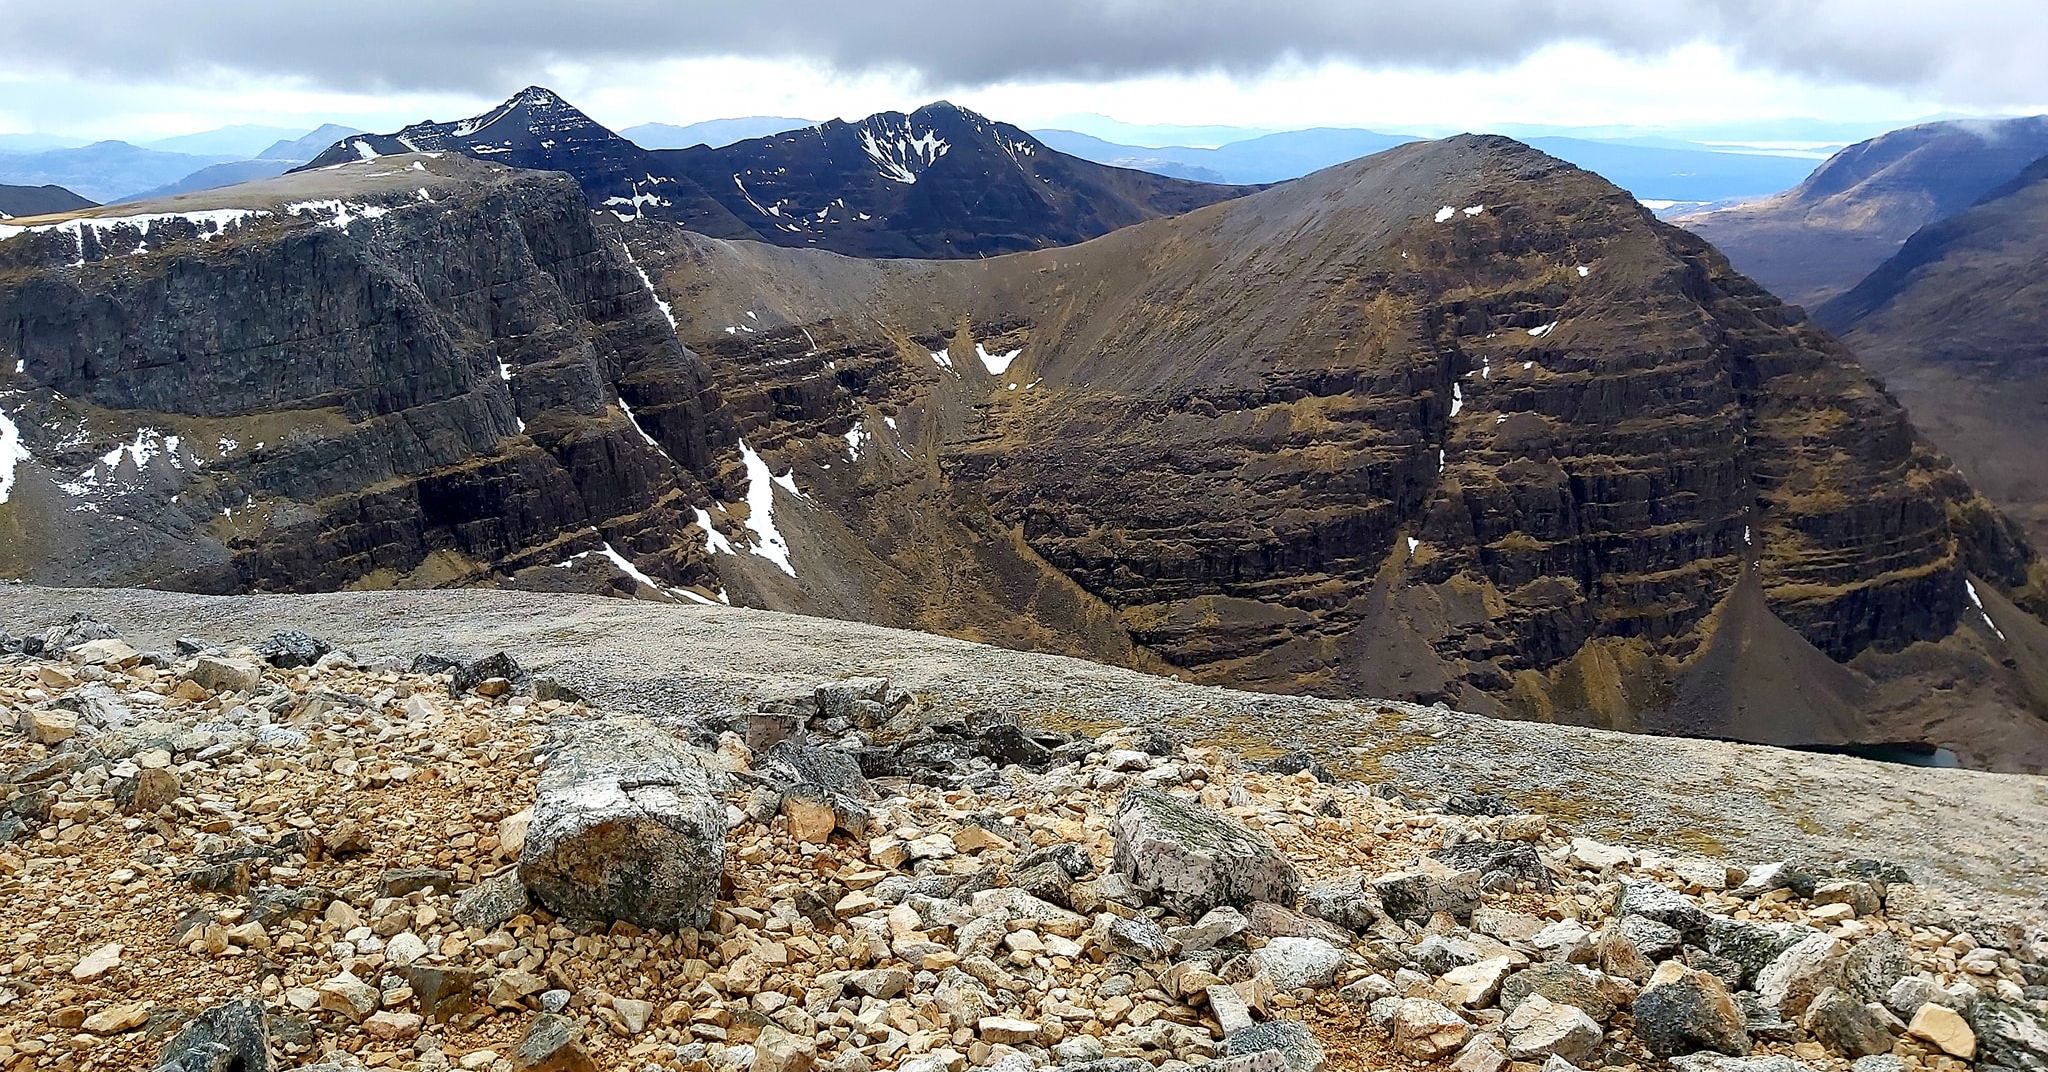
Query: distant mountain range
[938, 182]
[1654, 173]
[1819, 238]
[712, 132]
[103, 171]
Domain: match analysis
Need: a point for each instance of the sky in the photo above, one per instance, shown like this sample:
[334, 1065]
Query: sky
[138, 69]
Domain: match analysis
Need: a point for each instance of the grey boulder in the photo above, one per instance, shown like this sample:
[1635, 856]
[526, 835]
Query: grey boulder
[627, 825]
[1191, 859]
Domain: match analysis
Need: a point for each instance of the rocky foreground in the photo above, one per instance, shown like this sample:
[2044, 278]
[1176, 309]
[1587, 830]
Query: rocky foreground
[290, 857]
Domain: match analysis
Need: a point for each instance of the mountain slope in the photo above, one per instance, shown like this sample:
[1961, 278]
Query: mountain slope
[1953, 324]
[939, 182]
[1455, 423]
[242, 140]
[1816, 240]
[36, 200]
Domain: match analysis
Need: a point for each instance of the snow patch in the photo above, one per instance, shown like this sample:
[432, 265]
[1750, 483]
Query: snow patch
[210, 223]
[901, 154]
[714, 540]
[666, 311]
[996, 364]
[856, 438]
[12, 453]
[944, 359]
[1969, 589]
[1475, 210]
[363, 149]
[1584, 271]
[768, 541]
[1457, 399]
[343, 213]
[1539, 332]
[1444, 214]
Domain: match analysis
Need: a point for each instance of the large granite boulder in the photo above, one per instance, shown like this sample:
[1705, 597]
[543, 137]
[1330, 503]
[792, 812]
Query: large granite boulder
[1191, 859]
[627, 825]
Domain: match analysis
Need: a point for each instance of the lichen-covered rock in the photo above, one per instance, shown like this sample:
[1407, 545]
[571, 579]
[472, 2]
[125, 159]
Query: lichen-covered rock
[1684, 1010]
[1289, 1038]
[553, 1044]
[2010, 1034]
[626, 826]
[1855, 1028]
[232, 1037]
[1300, 963]
[1873, 966]
[1750, 945]
[1191, 859]
[1345, 901]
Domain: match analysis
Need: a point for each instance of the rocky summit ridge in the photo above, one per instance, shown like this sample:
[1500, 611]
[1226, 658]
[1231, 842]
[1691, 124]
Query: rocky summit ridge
[273, 852]
[940, 181]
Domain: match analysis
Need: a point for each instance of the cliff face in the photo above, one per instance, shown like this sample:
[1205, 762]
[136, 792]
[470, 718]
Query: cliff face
[387, 376]
[1455, 423]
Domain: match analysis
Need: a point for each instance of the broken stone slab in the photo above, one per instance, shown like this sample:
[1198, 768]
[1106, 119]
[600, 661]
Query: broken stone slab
[1191, 859]
[1421, 1029]
[1790, 982]
[1567, 984]
[1539, 1027]
[1432, 887]
[490, 903]
[627, 825]
[220, 674]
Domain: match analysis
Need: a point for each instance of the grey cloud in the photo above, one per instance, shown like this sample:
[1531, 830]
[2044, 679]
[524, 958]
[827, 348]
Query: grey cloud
[1973, 51]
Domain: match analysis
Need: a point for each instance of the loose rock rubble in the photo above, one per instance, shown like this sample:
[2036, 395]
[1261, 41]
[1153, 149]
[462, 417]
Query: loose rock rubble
[286, 857]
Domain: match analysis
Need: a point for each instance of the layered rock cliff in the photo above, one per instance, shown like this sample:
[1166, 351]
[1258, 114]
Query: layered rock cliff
[410, 372]
[1455, 423]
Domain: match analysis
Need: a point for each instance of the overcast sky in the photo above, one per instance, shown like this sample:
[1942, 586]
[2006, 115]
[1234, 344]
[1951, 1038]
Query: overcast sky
[143, 68]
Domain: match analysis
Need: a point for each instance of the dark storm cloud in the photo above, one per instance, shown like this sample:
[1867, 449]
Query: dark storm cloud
[1977, 50]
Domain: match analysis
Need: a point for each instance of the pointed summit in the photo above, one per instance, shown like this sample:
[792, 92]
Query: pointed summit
[535, 128]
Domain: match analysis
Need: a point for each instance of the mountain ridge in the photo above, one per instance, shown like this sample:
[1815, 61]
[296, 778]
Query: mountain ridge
[847, 187]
